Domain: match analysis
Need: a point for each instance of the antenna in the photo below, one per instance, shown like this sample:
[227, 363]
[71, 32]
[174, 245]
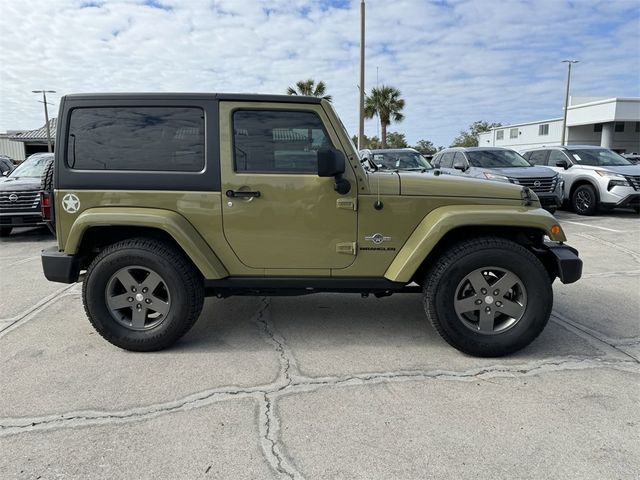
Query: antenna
[378, 205]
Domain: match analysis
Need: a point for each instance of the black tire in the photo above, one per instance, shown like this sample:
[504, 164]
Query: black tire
[5, 231]
[183, 283]
[443, 280]
[46, 185]
[584, 200]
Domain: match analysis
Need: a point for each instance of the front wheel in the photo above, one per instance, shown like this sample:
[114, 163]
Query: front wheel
[142, 295]
[5, 231]
[488, 297]
[584, 200]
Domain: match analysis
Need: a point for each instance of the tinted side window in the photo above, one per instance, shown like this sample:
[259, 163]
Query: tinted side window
[446, 161]
[459, 159]
[556, 156]
[538, 157]
[278, 141]
[136, 138]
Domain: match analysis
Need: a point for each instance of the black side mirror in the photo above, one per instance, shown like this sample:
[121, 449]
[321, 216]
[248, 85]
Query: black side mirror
[562, 163]
[459, 165]
[330, 163]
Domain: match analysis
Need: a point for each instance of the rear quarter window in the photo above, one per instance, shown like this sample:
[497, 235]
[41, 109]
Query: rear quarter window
[136, 138]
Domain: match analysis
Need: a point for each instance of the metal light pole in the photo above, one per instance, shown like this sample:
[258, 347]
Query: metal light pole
[361, 93]
[566, 100]
[46, 115]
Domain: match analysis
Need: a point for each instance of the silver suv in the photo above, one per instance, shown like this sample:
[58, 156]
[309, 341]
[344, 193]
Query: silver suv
[593, 176]
[503, 165]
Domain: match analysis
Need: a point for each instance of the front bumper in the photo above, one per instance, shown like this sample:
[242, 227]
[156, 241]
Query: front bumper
[20, 219]
[563, 261]
[632, 200]
[59, 267]
[550, 199]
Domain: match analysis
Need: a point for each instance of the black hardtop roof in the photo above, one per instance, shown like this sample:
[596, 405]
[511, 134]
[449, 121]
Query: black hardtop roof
[242, 97]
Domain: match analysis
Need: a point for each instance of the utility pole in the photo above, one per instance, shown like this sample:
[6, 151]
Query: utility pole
[566, 100]
[361, 93]
[46, 115]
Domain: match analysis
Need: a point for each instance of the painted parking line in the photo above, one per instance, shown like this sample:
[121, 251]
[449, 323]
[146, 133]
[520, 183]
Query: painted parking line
[593, 226]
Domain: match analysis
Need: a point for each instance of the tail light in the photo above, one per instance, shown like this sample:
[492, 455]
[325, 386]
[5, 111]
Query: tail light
[45, 205]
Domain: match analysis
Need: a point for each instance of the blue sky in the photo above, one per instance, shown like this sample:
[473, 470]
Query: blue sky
[455, 61]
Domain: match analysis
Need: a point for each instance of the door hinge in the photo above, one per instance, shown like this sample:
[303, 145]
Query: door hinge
[347, 203]
[346, 247]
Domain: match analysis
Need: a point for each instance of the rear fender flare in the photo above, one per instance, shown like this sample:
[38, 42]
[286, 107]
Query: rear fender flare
[177, 226]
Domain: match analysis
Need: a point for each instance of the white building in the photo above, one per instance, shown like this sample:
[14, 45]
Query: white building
[609, 122]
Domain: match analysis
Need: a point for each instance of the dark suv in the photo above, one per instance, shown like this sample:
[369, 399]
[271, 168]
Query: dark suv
[503, 165]
[20, 194]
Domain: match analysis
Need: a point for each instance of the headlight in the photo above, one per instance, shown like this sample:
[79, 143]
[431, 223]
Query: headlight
[619, 180]
[498, 178]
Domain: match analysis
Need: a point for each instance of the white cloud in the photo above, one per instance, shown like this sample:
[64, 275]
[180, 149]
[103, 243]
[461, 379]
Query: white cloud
[454, 61]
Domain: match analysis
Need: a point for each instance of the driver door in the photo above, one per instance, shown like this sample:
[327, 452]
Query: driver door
[277, 212]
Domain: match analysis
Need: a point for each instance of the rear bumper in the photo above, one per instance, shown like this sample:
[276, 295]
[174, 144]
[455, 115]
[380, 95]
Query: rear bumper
[564, 260]
[59, 267]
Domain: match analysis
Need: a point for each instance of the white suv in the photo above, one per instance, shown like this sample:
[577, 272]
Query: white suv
[593, 176]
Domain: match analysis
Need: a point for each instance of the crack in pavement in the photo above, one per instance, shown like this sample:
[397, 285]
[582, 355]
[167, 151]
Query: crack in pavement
[9, 426]
[290, 381]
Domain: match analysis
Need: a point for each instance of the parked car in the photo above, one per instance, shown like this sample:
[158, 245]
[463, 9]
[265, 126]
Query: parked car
[504, 165]
[20, 194]
[6, 165]
[594, 177]
[396, 159]
[632, 157]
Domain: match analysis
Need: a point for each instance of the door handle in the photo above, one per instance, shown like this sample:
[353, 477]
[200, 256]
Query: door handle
[241, 194]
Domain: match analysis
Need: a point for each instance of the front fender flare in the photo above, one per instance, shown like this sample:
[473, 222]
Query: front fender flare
[168, 221]
[442, 220]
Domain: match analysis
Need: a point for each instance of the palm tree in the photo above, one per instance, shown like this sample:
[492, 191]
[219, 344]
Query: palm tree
[309, 88]
[385, 102]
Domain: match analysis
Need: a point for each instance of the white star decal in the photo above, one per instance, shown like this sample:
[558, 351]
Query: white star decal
[70, 203]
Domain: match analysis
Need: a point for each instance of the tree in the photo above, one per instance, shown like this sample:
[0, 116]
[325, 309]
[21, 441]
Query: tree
[426, 147]
[396, 140]
[309, 88]
[373, 143]
[469, 138]
[385, 102]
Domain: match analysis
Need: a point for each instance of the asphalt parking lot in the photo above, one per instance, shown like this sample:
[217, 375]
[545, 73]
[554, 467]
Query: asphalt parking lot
[324, 386]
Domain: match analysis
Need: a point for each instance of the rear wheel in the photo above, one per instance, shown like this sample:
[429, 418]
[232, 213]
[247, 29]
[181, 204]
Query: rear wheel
[584, 200]
[5, 231]
[488, 297]
[142, 295]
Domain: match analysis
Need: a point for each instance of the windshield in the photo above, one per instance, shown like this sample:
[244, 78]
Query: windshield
[32, 166]
[401, 160]
[496, 159]
[598, 157]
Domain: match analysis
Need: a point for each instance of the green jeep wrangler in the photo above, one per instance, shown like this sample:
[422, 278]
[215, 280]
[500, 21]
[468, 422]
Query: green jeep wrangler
[164, 199]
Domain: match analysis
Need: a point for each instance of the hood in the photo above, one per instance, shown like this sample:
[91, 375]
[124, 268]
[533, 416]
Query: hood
[622, 169]
[524, 172]
[20, 184]
[454, 186]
